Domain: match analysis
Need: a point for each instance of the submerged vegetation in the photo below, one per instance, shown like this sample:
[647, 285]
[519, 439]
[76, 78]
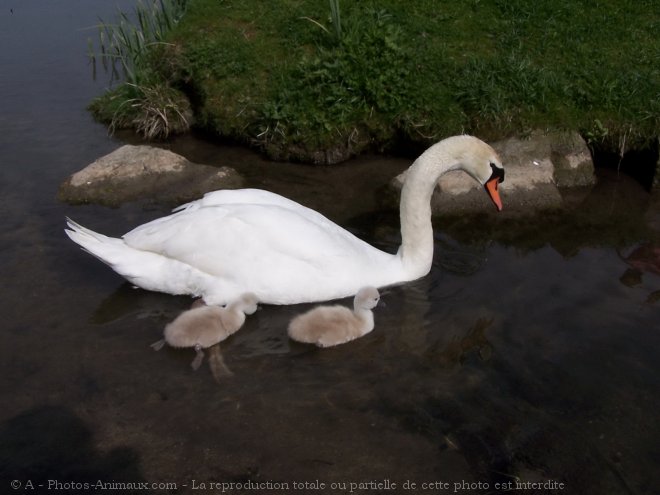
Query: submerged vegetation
[317, 80]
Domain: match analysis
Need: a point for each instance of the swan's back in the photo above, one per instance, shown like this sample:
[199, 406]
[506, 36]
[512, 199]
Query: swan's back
[280, 253]
[252, 197]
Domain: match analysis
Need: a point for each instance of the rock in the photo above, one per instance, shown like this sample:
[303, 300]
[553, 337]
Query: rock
[536, 167]
[139, 173]
[572, 160]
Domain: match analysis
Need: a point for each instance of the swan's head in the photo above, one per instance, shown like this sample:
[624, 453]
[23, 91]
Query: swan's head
[482, 162]
[367, 298]
[248, 303]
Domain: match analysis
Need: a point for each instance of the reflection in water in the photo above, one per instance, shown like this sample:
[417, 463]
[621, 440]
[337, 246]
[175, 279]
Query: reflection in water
[459, 259]
[458, 350]
[644, 258]
[128, 301]
[219, 369]
[49, 448]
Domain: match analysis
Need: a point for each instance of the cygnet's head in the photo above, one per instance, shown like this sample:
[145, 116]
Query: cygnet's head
[248, 303]
[367, 298]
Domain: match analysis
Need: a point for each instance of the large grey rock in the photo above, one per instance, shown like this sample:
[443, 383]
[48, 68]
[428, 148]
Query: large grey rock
[572, 160]
[536, 168]
[145, 173]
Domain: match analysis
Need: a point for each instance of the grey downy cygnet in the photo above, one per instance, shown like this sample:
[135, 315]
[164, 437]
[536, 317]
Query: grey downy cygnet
[328, 326]
[204, 326]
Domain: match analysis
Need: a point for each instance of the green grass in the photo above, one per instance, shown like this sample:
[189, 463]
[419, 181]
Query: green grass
[300, 76]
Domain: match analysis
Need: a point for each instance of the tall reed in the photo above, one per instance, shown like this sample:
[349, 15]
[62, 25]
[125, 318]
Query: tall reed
[146, 101]
[125, 44]
[335, 15]
[335, 19]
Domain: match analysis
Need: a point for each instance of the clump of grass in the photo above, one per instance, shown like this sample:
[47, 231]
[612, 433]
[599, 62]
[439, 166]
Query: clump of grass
[146, 100]
[162, 111]
[347, 91]
[154, 112]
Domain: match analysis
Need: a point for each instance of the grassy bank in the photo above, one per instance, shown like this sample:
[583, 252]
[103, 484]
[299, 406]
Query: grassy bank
[303, 80]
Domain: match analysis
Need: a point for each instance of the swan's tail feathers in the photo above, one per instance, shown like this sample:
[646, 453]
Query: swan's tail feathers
[145, 269]
[107, 249]
[78, 230]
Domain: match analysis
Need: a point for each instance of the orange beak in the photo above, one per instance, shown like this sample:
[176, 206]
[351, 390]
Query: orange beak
[491, 189]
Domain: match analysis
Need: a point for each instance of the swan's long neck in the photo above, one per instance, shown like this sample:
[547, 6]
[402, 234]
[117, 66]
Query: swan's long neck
[416, 251]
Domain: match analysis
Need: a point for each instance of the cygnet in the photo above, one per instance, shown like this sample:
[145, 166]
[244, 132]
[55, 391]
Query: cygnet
[205, 326]
[327, 326]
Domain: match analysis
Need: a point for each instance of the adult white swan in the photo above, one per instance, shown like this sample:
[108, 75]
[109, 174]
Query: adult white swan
[248, 240]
